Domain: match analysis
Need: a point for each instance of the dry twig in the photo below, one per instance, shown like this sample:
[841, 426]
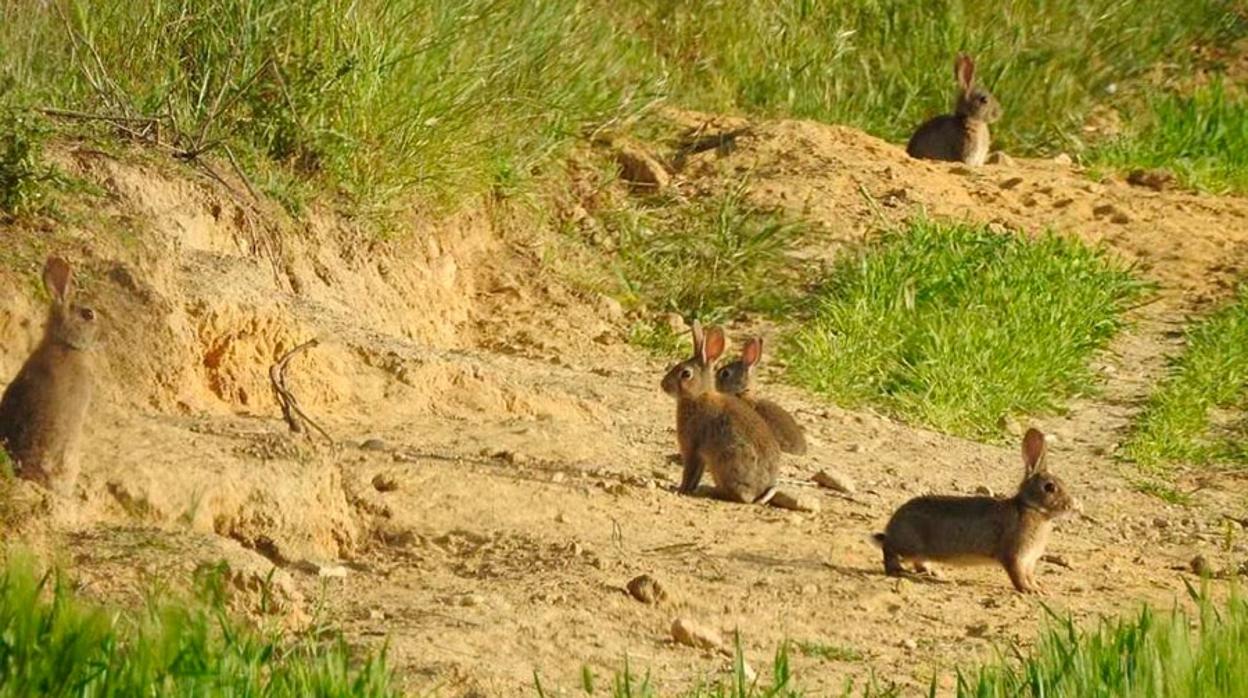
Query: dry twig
[291, 411]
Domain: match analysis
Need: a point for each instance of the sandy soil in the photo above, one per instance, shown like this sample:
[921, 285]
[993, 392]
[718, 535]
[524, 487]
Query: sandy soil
[520, 474]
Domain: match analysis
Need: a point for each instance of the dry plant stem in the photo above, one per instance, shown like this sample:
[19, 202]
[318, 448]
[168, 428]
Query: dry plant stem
[291, 411]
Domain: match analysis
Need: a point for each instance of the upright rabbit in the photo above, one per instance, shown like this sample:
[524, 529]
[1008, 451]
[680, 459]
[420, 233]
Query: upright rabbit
[719, 432]
[963, 135]
[737, 378]
[969, 530]
[42, 410]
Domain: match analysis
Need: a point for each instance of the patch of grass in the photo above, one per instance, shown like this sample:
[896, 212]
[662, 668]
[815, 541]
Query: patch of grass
[1159, 655]
[443, 99]
[886, 66]
[712, 259]
[23, 175]
[1202, 137]
[1199, 413]
[958, 327]
[54, 644]
[829, 652]
[1163, 491]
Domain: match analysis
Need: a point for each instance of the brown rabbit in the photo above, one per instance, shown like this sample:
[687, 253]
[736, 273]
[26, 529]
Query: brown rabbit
[963, 135]
[969, 530]
[737, 378]
[42, 410]
[719, 432]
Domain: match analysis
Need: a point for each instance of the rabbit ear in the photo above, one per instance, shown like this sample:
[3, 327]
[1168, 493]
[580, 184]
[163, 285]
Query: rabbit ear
[58, 279]
[699, 338]
[752, 351]
[1033, 452]
[713, 348]
[964, 71]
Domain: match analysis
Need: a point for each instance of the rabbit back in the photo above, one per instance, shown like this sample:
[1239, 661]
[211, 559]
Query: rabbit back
[951, 529]
[42, 412]
[788, 433]
[951, 138]
[737, 446]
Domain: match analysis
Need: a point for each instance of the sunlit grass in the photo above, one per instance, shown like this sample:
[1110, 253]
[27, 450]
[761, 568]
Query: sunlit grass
[957, 327]
[1198, 415]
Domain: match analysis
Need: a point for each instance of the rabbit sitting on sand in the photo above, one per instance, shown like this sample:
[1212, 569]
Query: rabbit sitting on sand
[963, 135]
[737, 378]
[43, 409]
[719, 432]
[1012, 532]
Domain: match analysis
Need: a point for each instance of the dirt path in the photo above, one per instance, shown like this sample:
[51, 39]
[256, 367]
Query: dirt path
[523, 474]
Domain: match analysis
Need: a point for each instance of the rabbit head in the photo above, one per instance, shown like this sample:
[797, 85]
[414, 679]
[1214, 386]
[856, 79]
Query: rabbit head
[1042, 490]
[737, 377]
[69, 323]
[974, 102]
[695, 376]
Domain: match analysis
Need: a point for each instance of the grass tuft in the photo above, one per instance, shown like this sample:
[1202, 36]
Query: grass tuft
[54, 644]
[1199, 413]
[958, 327]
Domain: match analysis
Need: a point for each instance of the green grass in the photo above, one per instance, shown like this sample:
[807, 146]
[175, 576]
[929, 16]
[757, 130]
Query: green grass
[55, 644]
[1150, 655]
[1197, 415]
[829, 652]
[886, 65]
[23, 173]
[713, 259]
[958, 327]
[1147, 655]
[445, 100]
[1201, 137]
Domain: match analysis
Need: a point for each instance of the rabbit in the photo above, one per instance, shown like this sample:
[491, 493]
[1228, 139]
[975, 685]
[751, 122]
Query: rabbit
[719, 432]
[969, 530]
[42, 411]
[963, 135]
[737, 378]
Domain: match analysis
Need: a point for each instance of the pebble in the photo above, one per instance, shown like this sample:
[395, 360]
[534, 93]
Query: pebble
[373, 445]
[834, 480]
[1063, 159]
[800, 501]
[332, 572]
[647, 589]
[693, 634]
[675, 322]
[910, 644]
[1199, 565]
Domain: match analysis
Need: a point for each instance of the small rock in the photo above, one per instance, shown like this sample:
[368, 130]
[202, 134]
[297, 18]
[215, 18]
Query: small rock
[1159, 522]
[470, 600]
[985, 491]
[332, 572]
[910, 644]
[1011, 183]
[376, 614]
[856, 448]
[385, 482]
[640, 168]
[675, 322]
[1063, 159]
[834, 480]
[373, 445]
[692, 634]
[997, 157]
[795, 501]
[1199, 565]
[560, 518]
[611, 307]
[1156, 179]
[647, 589]
[557, 478]
[977, 630]
[810, 589]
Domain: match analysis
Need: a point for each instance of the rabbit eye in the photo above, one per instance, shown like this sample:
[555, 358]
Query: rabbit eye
[87, 314]
[724, 373]
[686, 373]
[1050, 487]
[983, 99]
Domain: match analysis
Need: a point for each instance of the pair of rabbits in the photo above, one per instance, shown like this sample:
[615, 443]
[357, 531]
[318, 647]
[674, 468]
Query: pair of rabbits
[43, 409]
[722, 427]
[963, 135]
